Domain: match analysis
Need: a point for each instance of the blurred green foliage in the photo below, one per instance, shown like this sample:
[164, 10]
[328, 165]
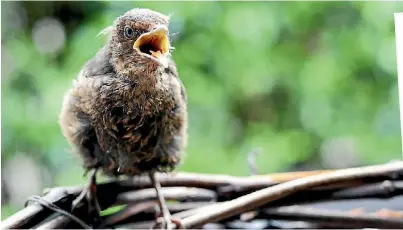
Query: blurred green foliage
[282, 76]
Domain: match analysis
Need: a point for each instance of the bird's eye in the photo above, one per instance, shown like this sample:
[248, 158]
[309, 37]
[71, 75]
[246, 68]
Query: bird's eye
[129, 33]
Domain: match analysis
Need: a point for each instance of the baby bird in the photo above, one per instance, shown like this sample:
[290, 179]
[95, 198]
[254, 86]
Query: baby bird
[126, 113]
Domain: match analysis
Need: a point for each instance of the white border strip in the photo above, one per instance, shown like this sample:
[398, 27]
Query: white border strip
[399, 58]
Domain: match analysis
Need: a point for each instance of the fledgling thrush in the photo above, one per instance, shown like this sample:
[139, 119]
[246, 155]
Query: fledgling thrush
[126, 113]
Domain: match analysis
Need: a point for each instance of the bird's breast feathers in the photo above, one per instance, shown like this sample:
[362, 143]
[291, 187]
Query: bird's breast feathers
[125, 107]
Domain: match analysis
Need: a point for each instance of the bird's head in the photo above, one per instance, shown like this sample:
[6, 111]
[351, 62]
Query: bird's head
[139, 38]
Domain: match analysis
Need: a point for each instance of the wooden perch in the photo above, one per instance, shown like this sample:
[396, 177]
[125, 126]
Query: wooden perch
[339, 218]
[200, 199]
[217, 212]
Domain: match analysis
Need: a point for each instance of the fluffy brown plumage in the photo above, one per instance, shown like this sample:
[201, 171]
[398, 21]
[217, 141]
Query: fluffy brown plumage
[126, 112]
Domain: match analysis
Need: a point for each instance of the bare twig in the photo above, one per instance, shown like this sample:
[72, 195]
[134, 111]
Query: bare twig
[217, 212]
[58, 222]
[125, 214]
[380, 190]
[35, 213]
[208, 181]
[134, 213]
[59, 210]
[173, 193]
[385, 189]
[138, 225]
[339, 219]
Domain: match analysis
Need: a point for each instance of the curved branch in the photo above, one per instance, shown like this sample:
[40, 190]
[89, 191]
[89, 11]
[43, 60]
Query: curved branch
[343, 184]
[204, 180]
[338, 218]
[35, 213]
[217, 212]
[172, 193]
[58, 222]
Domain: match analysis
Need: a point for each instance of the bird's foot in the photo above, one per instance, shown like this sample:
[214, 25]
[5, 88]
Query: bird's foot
[167, 224]
[90, 166]
[89, 195]
[167, 221]
[178, 222]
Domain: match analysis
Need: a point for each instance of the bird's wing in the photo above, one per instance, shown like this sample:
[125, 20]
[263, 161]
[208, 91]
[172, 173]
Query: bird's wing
[98, 66]
[172, 70]
[183, 91]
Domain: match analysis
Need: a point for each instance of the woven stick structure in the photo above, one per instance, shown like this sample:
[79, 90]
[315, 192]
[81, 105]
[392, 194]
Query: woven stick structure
[283, 200]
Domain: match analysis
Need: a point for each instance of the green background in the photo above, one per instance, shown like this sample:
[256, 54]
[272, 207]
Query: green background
[311, 85]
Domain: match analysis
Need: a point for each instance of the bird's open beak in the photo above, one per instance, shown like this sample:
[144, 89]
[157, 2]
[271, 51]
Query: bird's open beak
[154, 44]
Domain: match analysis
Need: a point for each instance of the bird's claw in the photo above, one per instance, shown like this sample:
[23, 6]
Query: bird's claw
[178, 222]
[89, 194]
[166, 222]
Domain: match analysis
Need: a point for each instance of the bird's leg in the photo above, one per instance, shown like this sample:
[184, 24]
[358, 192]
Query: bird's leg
[89, 193]
[161, 201]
